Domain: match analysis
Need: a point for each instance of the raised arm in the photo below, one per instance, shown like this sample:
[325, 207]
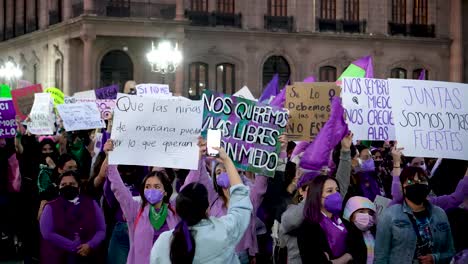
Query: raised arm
[397, 193]
[343, 172]
[455, 199]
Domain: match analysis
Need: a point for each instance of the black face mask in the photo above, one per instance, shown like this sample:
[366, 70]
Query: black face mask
[69, 192]
[378, 163]
[417, 193]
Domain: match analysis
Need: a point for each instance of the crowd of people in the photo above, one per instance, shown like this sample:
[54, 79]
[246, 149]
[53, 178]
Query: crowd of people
[63, 203]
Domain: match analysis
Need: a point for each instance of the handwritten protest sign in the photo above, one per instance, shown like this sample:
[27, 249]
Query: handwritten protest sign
[57, 95]
[368, 108]
[105, 106]
[431, 118]
[80, 116]
[150, 131]
[309, 108]
[245, 92]
[90, 94]
[381, 203]
[23, 99]
[250, 130]
[109, 92]
[153, 89]
[7, 113]
[42, 119]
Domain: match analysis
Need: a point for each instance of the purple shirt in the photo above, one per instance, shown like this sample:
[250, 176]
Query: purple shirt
[112, 201]
[218, 209]
[48, 233]
[140, 248]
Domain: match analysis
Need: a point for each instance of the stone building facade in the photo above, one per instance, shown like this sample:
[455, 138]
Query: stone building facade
[85, 44]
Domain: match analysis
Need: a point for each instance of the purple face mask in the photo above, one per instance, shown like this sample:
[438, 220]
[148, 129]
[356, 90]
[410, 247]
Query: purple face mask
[153, 196]
[368, 165]
[223, 180]
[333, 203]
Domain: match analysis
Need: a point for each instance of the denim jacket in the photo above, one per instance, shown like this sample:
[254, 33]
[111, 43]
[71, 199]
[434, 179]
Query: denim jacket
[396, 238]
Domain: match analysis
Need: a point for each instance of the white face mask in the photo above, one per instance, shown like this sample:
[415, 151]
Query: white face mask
[363, 221]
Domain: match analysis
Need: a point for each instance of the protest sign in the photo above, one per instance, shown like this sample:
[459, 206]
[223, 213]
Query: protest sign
[90, 94]
[245, 92]
[106, 107]
[7, 113]
[108, 92]
[309, 108]
[23, 99]
[80, 116]
[431, 118]
[368, 108]
[381, 203]
[250, 130]
[150, 131]
[153, 89]
[57, 95]
[97, 147]
[42, 119]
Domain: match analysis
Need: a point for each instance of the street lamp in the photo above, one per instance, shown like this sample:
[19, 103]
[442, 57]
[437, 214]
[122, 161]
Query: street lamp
[10, 72]
[165, 59]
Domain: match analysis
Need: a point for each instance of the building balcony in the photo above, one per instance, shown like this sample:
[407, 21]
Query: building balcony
[397, 29]
[346, 26]
[422, 31]
[54, 17]
[353, 26]
[200, 18]
[279, 23]
[324, 25]
[141, 10]
[31, 25]
[228, 19]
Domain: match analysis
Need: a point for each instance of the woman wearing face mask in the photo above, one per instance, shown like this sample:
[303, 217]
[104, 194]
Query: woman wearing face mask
[369, 184]
[72, 226]
[322, 235]
[415, 231]
[359, 216]
[444, 201]
[218, 196]
[147, 219]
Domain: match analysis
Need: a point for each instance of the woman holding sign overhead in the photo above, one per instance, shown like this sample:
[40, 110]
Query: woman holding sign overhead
[146, 219]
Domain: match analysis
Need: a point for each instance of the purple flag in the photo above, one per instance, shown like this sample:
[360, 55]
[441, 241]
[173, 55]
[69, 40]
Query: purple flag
[317, 154]
[108, 92]
[422, 75]
[310, 79]
[271, 90]
[366, 64]
[7, 119]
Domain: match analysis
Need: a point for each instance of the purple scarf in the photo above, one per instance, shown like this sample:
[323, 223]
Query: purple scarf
[336, 235]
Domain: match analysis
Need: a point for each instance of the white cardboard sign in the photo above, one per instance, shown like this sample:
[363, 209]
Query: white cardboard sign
[80, 116]
[153, 89]
[42, 118]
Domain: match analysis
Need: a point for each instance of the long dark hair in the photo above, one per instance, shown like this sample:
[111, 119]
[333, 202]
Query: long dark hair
[409, 172]
[313, 203]
[165, 182]
[218, 188]
[191, 205]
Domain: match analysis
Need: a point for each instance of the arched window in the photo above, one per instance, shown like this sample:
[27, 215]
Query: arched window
[278, 7]
[327, 74]
[417, 74]
[328, 9]
[225, 78]
[59, 74]
[276, 65]
[116, 68]
[399, 11]
[199, 5]
[198, 79]
[398, 73]
[226, 6]
[351, 10]
[420, 12]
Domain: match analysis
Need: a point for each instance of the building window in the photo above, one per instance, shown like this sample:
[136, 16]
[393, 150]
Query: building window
[55, 12]
[398, 73]
[276, 65]
[278, 7]
[199, 5]
[417, 74]
[327, 74]
[225, 78]
[399, 11]
[116, 68]
[59, 74]
[198, 79]
[351, 10]
[420, 12]
[226, 6]
[328, 9]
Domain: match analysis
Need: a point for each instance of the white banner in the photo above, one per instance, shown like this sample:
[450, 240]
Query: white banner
[431, 118]
[368, 109]
[80, 116]
[153, 89]
[150, 131]
[42, 118]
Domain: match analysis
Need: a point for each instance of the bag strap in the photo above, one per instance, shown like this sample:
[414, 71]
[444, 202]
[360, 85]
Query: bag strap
[138, 218]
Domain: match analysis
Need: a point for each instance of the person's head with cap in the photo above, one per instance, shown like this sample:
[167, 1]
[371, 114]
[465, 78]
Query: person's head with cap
[361, 212]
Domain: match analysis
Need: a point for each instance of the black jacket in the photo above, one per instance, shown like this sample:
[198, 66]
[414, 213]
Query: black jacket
[312, 242]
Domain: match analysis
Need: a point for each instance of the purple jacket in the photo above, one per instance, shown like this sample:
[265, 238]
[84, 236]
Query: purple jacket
[140, 248]
[64, 226]
[444, 201]
[218, 209]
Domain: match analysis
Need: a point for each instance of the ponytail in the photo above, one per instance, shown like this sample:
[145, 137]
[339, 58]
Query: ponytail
[182, 245]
